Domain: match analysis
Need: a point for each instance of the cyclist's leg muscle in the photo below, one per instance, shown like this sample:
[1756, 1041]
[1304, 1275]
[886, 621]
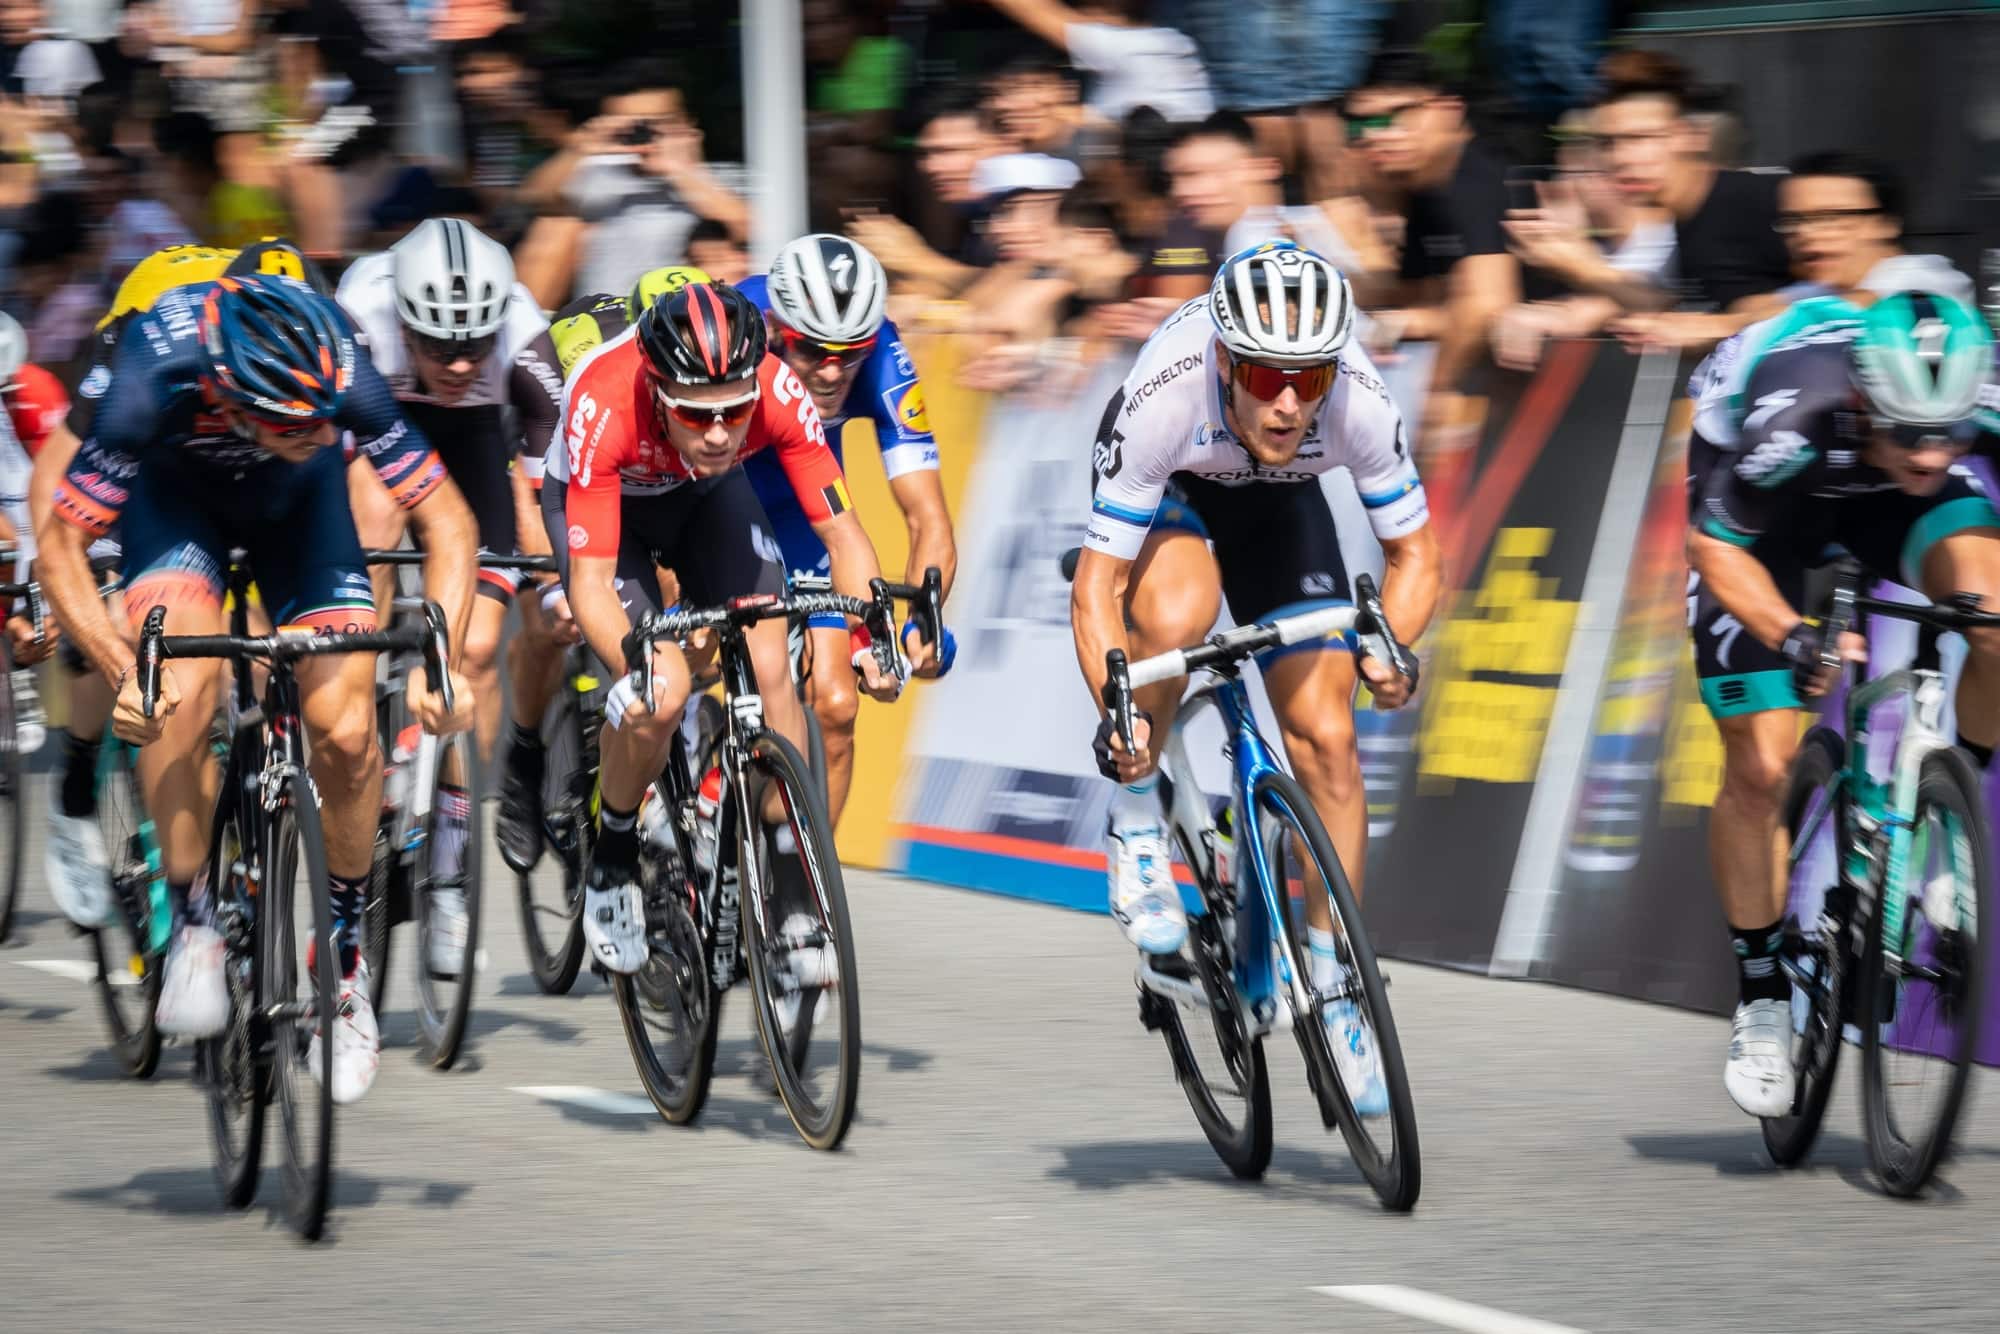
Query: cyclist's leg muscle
[337, 700]
[1745, 846]
[535, 662]
[1312, 695]
[836, 702]
[1172, 599]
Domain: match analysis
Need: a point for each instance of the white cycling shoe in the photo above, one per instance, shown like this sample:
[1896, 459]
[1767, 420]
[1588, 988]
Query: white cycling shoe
[357, 1042]
[1144, 897]
[1355, 1058]
[1759, 1074]
[194, 996]
[448, 927]
[614, 923]
[77, 865]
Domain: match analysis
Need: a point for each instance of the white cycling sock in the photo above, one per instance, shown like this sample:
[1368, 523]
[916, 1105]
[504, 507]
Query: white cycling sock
[454, 811]
[1136, 805]
[1327, 969]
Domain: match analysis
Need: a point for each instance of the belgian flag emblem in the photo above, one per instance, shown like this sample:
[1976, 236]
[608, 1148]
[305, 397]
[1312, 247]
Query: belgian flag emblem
[835, 496]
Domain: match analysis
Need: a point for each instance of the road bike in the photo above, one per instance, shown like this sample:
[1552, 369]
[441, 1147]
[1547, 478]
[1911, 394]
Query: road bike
[755, 901]
[403, 884]
[267, 875]
[1889, 891]
[1264, 848]
[13, 774]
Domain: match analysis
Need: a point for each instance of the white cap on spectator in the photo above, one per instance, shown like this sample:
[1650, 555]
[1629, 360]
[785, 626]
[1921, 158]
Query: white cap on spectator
[1012, 173]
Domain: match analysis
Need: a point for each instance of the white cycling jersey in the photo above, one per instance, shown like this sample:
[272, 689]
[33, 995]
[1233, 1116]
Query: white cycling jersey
[368, 294]
[15, 469]
[1167, 418]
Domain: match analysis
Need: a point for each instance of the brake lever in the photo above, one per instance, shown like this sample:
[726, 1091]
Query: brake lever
[32, 600]
[150, 652]
[1376, 637]
[437, 655]
[881, 621]
[1117, 697]
[639, 650]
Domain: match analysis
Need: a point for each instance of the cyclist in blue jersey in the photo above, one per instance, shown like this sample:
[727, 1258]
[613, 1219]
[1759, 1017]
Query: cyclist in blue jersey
[218, 430]
[823, 300]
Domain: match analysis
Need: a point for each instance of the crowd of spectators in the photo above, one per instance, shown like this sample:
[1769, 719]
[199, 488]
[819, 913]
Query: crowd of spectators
[1046, 180]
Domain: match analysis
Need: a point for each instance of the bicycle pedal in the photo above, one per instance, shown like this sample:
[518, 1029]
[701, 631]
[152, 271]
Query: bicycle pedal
[1152, 1011]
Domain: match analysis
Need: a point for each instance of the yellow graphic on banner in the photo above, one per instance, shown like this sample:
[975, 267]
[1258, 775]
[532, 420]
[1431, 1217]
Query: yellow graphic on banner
[1691, 773]
[1492, 731]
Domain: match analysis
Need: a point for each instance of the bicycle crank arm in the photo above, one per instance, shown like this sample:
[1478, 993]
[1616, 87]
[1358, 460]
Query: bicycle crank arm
[1186, 994]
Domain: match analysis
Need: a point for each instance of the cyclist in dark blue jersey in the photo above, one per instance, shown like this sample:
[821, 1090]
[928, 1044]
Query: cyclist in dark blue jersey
[823, 300]
[218, 430]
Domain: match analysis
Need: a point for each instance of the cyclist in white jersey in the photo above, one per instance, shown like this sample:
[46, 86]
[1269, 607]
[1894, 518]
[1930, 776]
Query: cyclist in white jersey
[467, 353]
[1235, 409]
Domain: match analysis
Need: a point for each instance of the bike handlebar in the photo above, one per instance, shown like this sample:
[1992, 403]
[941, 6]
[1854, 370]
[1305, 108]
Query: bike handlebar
[529, 564]
[431, 637]
[878, 614]
[1365, 618]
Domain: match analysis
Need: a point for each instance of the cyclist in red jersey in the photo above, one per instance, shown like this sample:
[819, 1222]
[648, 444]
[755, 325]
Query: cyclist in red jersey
[36, 404]
[644, 466]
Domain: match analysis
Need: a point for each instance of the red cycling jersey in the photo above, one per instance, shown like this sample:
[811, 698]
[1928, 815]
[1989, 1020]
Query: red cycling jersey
[36, 405]
[615, 443]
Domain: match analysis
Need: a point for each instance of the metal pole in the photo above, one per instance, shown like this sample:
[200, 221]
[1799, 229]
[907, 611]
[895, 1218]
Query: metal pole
[774, 123]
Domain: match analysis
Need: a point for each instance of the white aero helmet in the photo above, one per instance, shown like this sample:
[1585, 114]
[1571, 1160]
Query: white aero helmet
[1278, 304]
[828, 289]
[13, 348]
[452, 281]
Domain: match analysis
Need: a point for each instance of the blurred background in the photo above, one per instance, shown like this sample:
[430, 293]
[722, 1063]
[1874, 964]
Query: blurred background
[1548, 209]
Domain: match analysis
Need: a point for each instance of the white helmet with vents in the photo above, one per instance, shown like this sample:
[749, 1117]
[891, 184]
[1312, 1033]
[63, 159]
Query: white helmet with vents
[828, 289]
[1281, 305]
[453, 282]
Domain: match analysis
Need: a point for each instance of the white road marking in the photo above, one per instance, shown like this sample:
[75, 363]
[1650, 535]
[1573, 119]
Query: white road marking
[1012, 1218]
[76, 970]
[1445, 1311]
[590, 1099]
[479, 958]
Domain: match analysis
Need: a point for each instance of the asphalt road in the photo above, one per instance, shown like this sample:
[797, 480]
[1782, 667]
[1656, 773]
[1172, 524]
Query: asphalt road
[1023, 1161]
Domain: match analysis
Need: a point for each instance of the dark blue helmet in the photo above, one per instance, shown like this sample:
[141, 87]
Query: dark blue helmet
[276, 347]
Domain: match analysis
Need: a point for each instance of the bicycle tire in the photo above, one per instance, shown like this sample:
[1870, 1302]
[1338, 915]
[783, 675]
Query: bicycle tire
[442, 1018]
[1820, 765]
[674, 983]
[816, 754]
[1397, 1175]
[820, 1124]
[128, 969]
[1244, 1149]
[555, 953]
[235, 1068]
[1904, 1162]
[297, 840]
[13, 799]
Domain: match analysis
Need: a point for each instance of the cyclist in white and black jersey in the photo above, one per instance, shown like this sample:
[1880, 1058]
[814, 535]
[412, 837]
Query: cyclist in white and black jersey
[467, 353]
[1240, 403]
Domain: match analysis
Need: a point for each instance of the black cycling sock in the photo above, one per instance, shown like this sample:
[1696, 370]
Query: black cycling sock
[177, 901]
[1759, 976]
[349, 899]
[79, 775]
[524, 741]
[617, 837]
[1981, 755]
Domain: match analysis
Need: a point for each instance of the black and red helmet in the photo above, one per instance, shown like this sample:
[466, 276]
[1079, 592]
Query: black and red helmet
[704, 333]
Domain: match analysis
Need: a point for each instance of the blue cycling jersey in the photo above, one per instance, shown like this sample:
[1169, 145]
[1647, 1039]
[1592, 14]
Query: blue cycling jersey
[888, 393]
[157, 406]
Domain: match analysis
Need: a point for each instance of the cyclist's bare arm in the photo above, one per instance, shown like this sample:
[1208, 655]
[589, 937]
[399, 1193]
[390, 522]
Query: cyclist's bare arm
[1739, 581]
[920, 495]
[63, 562]
[50, 465]
[1412, 578]
[450, 539]
[1097, 615]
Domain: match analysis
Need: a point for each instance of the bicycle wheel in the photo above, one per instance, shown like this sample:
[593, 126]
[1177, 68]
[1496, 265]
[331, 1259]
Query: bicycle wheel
[446, 972]
[130, 954]
[301, 963]
[1924, 991]
[1218, 1061]
[234, 1068]
[1299, 853]
[799, 946]
[13, 800]
[1817, 956]
[550, 895]
[668, 1007]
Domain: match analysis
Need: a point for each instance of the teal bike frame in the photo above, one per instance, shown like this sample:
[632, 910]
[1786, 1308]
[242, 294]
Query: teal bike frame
[157, 924]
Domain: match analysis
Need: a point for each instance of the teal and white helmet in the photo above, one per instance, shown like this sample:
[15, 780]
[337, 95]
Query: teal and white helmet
[1921, 360]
